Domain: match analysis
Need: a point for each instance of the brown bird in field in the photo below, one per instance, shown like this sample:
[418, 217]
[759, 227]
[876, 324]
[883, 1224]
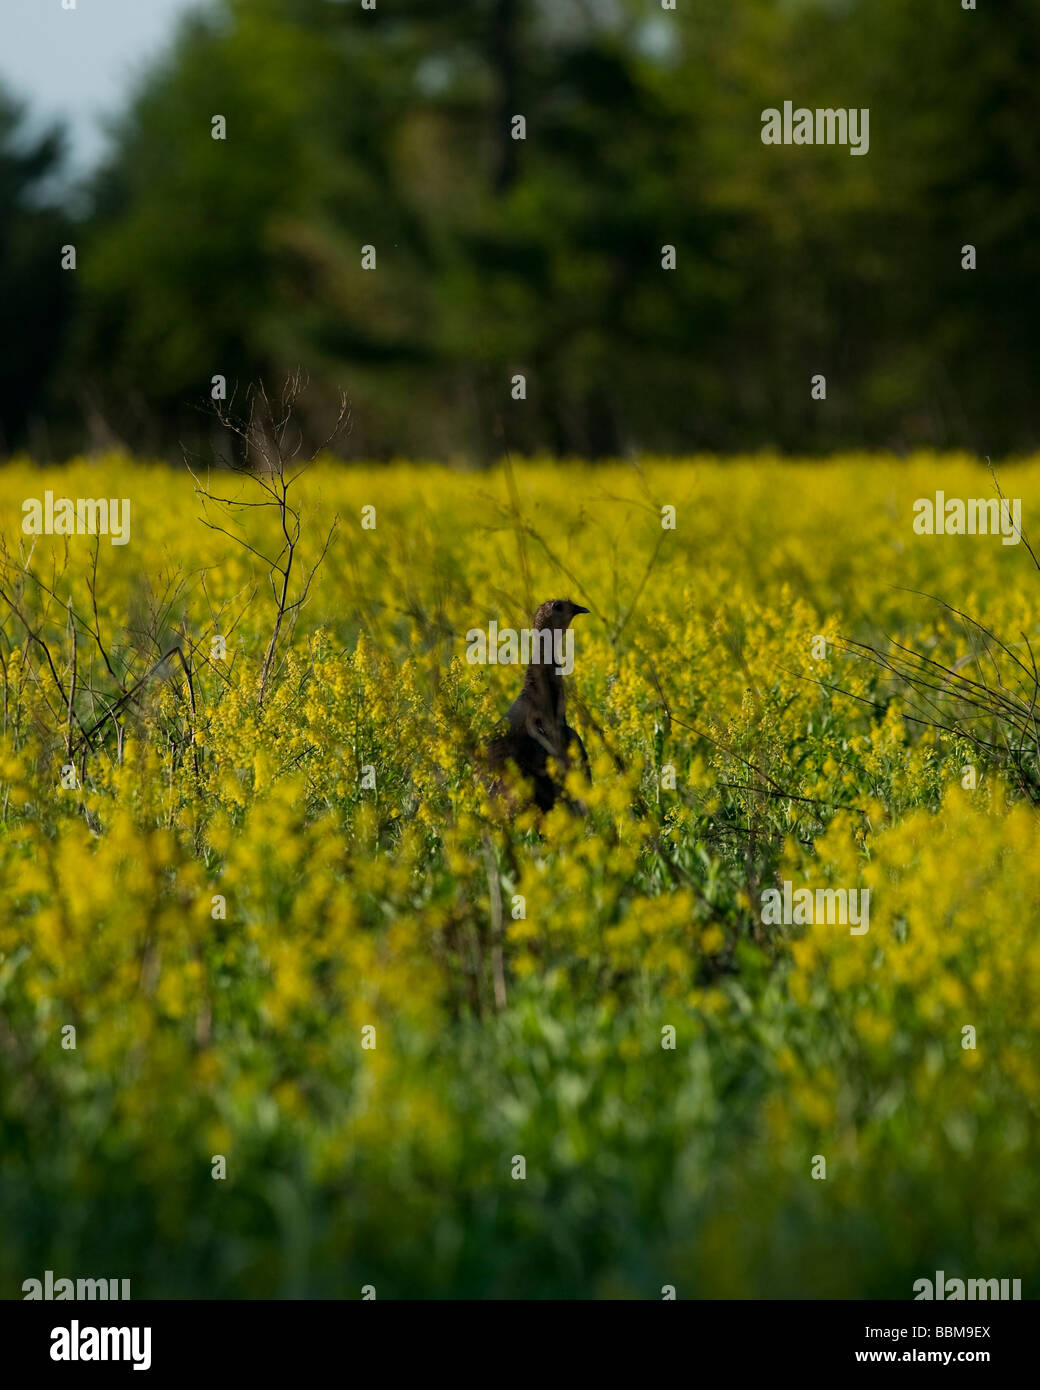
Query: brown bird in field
[538, 728]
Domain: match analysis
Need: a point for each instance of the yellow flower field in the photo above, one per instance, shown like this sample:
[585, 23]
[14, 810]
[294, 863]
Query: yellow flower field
[297, 933]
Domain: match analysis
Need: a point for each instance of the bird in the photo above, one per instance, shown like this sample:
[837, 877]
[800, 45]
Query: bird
[538, 728]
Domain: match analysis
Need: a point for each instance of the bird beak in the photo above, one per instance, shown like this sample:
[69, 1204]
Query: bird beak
[577, 608]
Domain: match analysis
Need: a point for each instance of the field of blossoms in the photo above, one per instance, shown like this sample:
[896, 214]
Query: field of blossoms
[448, 1047]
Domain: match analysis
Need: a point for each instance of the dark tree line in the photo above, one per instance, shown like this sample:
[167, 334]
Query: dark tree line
[542, 257]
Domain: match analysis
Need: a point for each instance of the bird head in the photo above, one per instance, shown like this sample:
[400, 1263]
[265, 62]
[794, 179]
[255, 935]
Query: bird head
[557, 613]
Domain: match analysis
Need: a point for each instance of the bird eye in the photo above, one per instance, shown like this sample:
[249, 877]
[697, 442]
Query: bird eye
[557, 606]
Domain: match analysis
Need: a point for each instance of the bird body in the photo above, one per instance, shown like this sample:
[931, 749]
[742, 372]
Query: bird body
[538, 728]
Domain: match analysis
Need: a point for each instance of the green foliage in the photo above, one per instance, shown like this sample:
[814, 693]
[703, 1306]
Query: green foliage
[391, 128]
[349, 907]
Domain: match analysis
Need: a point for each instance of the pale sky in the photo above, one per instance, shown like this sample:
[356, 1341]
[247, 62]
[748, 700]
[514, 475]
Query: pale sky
[80, 63]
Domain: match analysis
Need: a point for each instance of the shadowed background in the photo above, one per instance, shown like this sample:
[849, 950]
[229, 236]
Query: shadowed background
[391, 128]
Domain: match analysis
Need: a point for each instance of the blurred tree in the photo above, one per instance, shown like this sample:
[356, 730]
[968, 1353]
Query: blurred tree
[35, 295]
[542, 256]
